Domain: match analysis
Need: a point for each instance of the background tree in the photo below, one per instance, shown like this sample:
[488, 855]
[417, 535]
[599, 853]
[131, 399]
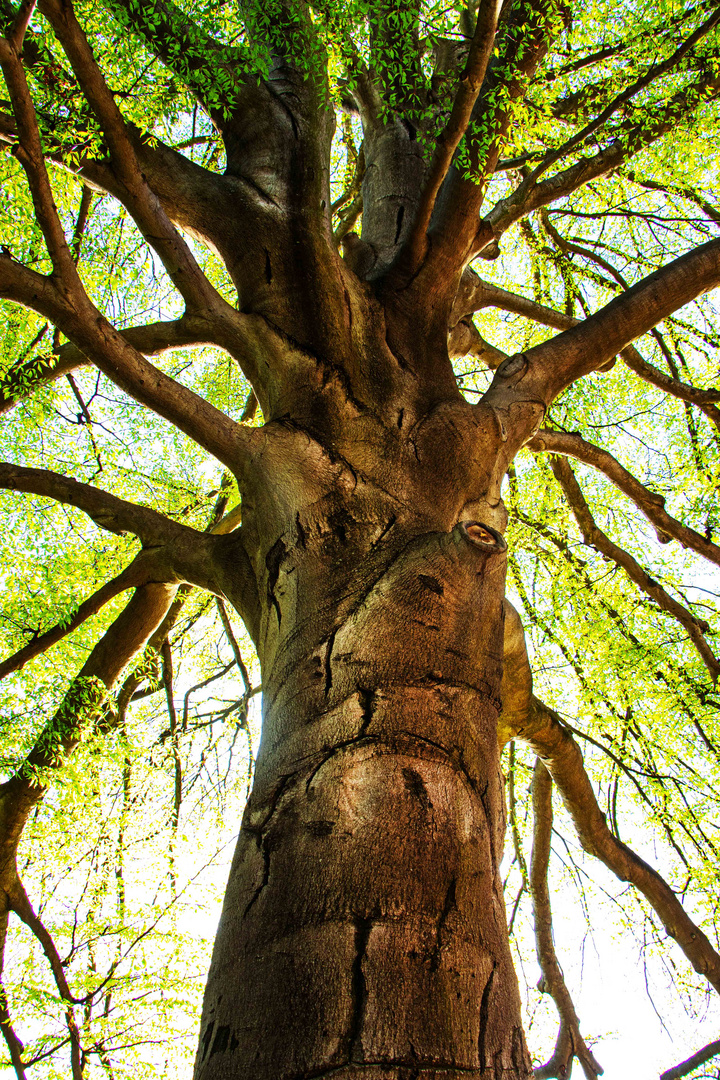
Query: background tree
[186, 185]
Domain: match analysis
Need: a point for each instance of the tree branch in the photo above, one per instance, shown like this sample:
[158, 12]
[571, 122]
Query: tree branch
[187, 50]
[652, 505]
[146, 208]
[545, 732]
[570, 1042]
[20, 904]
[475, 294]
[630, 137]
[78, 710]
[131, 576]
[694, 1062]
[593, 342]
[150, 340]
[469, 84]
[595, 537]
[108, 511]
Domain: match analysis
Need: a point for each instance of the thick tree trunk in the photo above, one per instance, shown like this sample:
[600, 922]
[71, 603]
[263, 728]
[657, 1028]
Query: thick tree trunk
[364, 929]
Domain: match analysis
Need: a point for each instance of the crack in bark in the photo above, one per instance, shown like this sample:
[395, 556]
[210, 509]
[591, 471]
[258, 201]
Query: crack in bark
[448, 906]
[265, 849]
[358, 985]
[484, 1017]
[328, 662]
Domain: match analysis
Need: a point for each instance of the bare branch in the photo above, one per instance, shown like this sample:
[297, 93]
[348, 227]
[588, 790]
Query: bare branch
[595, 537]
[652, 505]
[694, 1062]
[570, 1041]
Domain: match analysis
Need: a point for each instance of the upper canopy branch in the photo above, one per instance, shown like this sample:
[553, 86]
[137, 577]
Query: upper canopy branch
[143, 203]
[630, 136]
[469, 84]
[187, 50]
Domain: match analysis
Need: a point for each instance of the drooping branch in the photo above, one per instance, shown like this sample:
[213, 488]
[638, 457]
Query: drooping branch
[595, 537]
[544, 731]
[571, 444]
[570, 1042]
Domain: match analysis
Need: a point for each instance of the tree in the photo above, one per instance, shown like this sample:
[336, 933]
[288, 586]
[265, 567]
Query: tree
[369, 569]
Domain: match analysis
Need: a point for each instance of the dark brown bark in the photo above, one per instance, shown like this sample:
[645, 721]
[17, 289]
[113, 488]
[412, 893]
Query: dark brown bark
[364, 904]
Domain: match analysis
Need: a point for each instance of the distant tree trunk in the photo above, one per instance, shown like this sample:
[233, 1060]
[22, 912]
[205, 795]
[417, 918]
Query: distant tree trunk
[364, 929]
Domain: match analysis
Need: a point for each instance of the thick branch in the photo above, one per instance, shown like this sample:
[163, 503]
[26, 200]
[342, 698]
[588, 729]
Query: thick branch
[133, 575]
[144, 205]
[595, 537]
[475, 294]
[470, 82]
[97, 339]
[593, 342]
[108, 511]
[652, 505]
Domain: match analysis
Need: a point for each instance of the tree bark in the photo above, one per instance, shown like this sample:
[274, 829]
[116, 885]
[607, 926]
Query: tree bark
[364, 930]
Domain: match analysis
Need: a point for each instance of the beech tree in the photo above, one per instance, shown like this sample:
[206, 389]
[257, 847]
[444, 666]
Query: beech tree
[397, 256]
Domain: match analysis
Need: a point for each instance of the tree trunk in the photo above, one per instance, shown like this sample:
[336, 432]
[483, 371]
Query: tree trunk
[364, 929]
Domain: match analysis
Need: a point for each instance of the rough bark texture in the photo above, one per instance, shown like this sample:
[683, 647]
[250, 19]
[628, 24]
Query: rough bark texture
[364, 906]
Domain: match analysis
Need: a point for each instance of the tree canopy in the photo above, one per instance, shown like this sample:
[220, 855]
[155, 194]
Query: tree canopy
[544, 174]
